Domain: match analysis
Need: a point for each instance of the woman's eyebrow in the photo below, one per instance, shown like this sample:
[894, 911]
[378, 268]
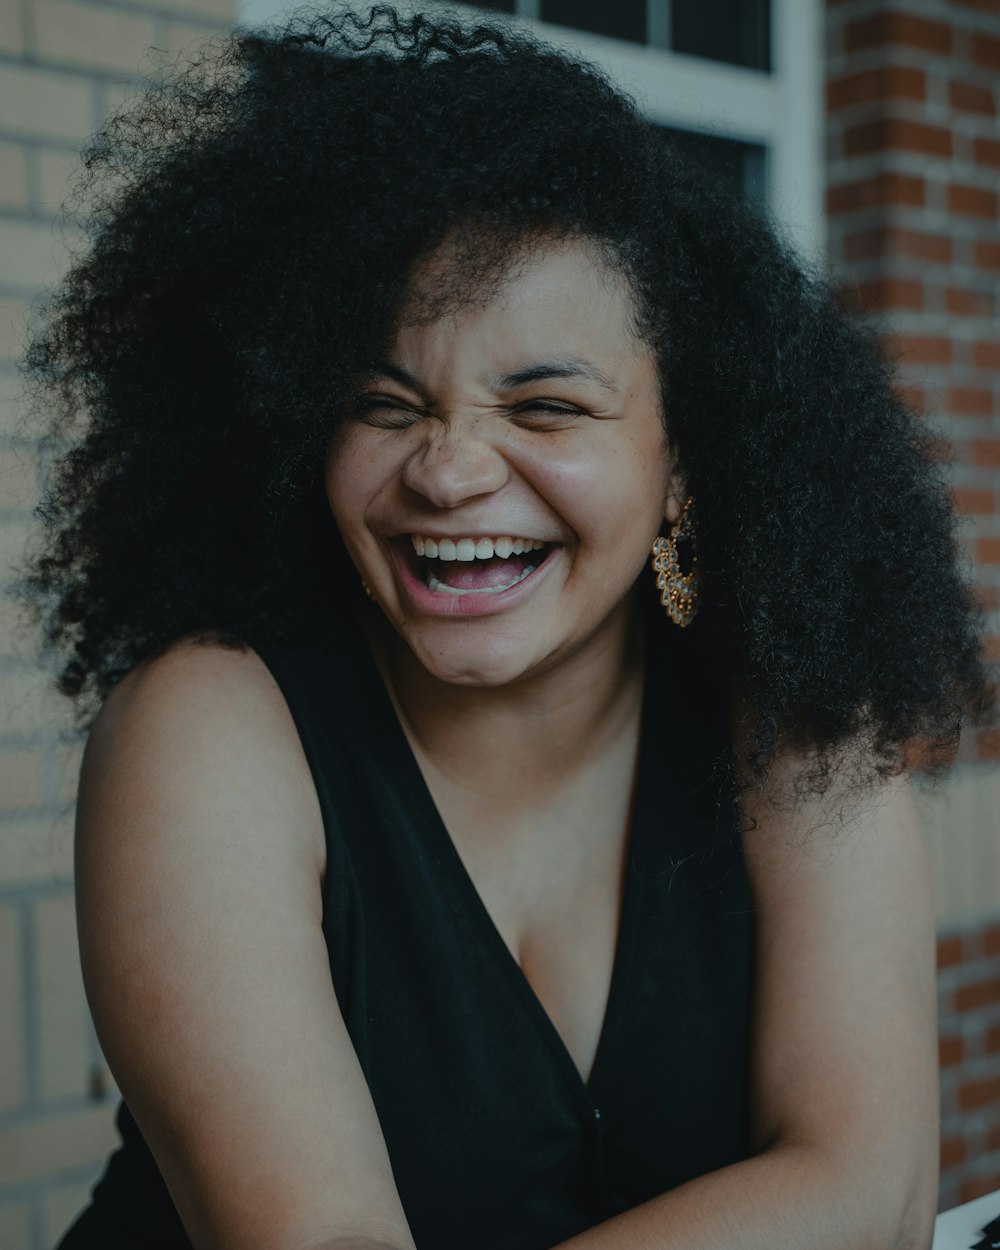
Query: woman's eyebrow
[389, 369]
[572, 367]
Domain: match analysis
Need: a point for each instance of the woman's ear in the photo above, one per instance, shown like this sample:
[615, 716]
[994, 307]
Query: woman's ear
[674, 501]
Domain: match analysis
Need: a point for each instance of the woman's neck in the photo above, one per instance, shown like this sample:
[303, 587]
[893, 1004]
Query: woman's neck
[521, 742]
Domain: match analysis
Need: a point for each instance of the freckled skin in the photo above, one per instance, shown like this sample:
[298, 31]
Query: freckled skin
[462, 457]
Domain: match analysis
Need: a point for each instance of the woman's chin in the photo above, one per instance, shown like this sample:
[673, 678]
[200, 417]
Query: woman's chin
[472, 666]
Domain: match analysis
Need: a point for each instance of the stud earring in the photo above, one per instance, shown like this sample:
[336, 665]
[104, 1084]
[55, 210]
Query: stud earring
[679, 592]
[368, 589]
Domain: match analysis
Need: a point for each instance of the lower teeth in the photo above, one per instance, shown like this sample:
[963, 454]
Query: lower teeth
[434, 584]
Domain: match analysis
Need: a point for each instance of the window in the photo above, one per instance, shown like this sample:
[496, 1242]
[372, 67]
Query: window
[737, 32]
[622, 19]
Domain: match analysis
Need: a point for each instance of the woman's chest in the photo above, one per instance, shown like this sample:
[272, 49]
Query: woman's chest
[476, 1042]
[552, 883]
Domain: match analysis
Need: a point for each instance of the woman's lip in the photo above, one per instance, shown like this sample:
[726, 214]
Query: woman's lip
[439, 603]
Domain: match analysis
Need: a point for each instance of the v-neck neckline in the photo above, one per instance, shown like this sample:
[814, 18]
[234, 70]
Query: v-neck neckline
[407, 774]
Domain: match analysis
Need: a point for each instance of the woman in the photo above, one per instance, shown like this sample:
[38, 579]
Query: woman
[502, 575]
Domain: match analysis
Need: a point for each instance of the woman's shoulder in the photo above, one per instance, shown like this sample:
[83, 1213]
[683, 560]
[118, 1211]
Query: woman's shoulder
[197, 687]
[208, 718]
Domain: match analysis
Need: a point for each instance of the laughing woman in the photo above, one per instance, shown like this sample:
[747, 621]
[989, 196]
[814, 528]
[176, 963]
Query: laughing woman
[505, 599]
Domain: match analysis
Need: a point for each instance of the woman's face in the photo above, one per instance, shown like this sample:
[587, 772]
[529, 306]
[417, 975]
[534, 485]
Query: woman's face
[500, 482]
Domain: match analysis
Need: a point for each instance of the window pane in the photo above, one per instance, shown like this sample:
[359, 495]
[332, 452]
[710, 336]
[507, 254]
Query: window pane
[735, 31]
[738, 167]
[624, 19]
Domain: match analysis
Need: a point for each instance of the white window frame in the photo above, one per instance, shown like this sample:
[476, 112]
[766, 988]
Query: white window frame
[782, 110]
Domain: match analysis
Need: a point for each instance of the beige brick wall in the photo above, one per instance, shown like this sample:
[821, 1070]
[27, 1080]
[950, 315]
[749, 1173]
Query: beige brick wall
[63, 65]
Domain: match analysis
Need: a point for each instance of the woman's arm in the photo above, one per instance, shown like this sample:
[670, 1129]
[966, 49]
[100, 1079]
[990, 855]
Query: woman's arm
[199, 862]
[844, 1071]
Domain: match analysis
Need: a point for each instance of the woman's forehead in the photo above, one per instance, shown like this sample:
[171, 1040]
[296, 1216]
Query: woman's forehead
[559, 308]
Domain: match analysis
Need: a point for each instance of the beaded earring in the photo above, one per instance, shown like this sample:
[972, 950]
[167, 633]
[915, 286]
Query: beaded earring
[679, 592]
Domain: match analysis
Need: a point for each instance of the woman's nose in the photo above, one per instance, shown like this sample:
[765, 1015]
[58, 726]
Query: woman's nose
[454, 466]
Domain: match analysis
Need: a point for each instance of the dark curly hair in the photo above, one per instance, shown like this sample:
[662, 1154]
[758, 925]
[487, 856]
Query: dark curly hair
[252, 220]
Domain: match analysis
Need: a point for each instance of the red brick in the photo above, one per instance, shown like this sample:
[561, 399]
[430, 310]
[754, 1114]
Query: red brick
[986, 355]
[991, 941]
[952, 1152]
[886, 82]
[969, 501]
[970, 401]
[981, 994]
[986, 451]
[963, 303]
[987, 552]
[986, 50]
[898, 134]
[987, 152]
[923, 753]
[970, 1190]
[898, 29]
[984, 6]
[920, 349]
[976, 1094]
[988, 596]
[881, 189]
[972, 201]
[993, 1137]
[949, 951]
[988, 744]
[951, 1051]
[967, 97]
[992, 1041]
[894, 241]
[887, 293]
[988, 255]
[990, 648]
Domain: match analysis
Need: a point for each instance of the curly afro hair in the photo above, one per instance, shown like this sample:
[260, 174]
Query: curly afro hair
[252, 220]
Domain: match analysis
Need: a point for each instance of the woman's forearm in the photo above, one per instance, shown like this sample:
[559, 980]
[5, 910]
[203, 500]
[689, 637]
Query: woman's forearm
[790, 1197]
[357, 1243]
[787, 1198]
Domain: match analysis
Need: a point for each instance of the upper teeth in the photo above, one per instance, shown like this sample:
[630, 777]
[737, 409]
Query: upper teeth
[473, 548]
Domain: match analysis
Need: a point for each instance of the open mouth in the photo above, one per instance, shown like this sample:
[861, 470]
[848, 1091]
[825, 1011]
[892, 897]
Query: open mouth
[474, 565]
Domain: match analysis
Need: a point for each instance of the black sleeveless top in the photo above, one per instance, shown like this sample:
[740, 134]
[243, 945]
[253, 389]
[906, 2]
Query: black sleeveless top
[496, 1142]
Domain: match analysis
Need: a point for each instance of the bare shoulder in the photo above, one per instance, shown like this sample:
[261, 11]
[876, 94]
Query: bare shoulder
[215, 715]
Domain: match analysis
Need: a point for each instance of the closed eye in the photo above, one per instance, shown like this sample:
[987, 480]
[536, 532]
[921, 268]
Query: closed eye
[387, 414]
[384, 413]
[542, 415]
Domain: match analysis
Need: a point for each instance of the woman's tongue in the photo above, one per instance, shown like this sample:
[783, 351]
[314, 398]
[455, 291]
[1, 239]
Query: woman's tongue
[482, 574]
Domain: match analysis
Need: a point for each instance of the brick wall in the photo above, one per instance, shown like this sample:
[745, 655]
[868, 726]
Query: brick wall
[63, 65]
[913, 168]
[969, 1006]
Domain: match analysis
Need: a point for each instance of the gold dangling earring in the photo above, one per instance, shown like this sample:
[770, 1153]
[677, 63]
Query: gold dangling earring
[368, 589]
[679, 592]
